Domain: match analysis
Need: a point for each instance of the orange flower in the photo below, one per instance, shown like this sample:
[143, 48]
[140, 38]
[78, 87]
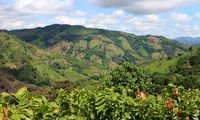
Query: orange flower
[170, 104]
[5, 111]
[179, 112]
[187, 118]
[143, 96]
[175, 92]
[138, 93]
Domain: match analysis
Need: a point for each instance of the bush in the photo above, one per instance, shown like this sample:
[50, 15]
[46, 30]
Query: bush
[128, 76]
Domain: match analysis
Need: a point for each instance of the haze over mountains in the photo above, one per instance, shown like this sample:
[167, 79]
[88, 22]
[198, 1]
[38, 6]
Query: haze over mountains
[188, 40]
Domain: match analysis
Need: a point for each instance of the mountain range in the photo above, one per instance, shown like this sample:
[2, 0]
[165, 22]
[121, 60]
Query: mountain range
[188, 40]
[75, 53]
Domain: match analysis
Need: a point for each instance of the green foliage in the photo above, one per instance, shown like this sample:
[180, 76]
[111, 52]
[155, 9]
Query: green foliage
[67, 86]
[128, 76]
[182, 71]
[28, 74]
[105, 104]
[117, 100]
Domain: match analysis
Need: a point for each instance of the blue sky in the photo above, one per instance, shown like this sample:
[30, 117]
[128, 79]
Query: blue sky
[168, 18]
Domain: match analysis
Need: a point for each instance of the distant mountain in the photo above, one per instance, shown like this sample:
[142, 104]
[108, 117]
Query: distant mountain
[188, 40]
[100, 46]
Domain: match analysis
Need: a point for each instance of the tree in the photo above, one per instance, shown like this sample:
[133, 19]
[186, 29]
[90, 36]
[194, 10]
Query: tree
[128, 76]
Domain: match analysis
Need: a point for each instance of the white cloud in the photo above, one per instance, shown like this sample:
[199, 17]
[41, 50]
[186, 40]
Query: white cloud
[69, 20]
[10, 20]
[32, 25]
[41, 6]
[180, 17]
[153, 18]
[17, 14]
[106, 21]
[146, 23]
[197, 15]
[11, 24]
[79, 13]
[143, 6]
[184, 30]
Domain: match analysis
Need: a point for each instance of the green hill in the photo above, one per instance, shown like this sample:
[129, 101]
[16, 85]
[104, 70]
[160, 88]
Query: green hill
[183, 70]
[42, 56]
[32, 65]
[100, 46]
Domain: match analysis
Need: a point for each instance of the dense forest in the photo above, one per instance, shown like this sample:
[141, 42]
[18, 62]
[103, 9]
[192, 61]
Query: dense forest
[71, 72]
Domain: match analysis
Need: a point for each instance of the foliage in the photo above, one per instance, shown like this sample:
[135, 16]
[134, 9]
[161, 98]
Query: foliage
[105, 103]
[52, 92]
[128, 76]
[28, 74]
[181, 71]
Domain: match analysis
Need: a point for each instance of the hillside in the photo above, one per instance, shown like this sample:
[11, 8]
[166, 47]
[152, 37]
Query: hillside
[188, 40]
[100, 46]
[32, 65]
[75, 53]
[182, 70]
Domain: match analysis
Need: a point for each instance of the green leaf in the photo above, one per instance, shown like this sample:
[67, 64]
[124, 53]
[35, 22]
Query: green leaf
[1, 115]
[127, 115]
[22, 91]
[73, 117]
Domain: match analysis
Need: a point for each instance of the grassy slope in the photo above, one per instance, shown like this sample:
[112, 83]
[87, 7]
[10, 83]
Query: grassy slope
[161, 66]
[14, 53]
[164, 66]
[99, 45]
[182, 70]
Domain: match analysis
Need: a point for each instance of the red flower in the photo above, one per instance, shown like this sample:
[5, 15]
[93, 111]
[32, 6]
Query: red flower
[138, 93]
[4, 118]
[179, 112]
[175, 92]
[147, 94]
[170, 104]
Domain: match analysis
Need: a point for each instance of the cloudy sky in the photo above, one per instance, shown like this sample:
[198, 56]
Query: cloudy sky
[170, 18]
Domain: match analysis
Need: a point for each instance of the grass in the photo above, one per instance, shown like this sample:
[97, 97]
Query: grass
[73, 75]
[45, 69]
[125, 43]
[162, 66]
[143, 52]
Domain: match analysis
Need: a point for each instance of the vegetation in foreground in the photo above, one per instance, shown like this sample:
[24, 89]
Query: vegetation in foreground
[126, 94]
